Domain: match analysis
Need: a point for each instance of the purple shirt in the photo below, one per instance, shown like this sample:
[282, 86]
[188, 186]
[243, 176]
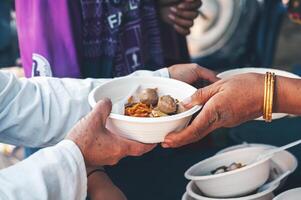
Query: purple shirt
[59, 38]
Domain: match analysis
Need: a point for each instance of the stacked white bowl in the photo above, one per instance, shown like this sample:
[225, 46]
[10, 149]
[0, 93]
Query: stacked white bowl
[240, 184]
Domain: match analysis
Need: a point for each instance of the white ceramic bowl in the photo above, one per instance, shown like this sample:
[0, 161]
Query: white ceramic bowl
[234, 183]
[293, 194]
[193, 193]
[278, 72]
[146, 130]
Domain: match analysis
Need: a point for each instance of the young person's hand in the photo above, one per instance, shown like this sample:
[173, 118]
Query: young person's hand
[180, 14]
[98, 145]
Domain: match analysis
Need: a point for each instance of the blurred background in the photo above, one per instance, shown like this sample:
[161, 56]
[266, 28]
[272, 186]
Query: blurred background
[230, 34]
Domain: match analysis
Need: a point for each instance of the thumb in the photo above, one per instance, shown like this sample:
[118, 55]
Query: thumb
[200, 97]
[101, 110]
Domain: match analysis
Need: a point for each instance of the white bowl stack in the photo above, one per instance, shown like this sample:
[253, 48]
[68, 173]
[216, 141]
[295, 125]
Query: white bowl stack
[215, 185]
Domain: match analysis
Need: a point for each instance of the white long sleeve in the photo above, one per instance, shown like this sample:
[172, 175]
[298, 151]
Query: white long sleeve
[56, 172]
[38, 112]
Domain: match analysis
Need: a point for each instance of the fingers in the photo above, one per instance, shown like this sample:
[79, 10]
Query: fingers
[181, 30]
[138, 149]
[102, 110]
[182, 22]
[130, 147]
[200, 97]
[204, 123]
[206, 74]
[185, 14]
[190, 4]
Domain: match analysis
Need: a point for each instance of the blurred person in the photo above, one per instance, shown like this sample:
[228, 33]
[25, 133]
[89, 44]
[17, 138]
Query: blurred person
[106, 39]
[102, 39]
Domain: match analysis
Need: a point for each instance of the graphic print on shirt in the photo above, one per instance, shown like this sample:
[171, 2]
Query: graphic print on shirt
[124, 31]
[40, 66]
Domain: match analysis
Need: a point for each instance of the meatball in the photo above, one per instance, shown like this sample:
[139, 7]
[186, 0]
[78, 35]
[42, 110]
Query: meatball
[149, 96]
[167, 104]
[180, 108]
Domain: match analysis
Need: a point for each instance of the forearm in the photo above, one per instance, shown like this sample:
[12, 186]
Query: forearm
[38, 112]
[56, 172]
[287, 96]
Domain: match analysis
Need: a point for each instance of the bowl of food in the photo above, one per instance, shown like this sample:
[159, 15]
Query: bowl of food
[231, 174]
[281, 162]
[145, 109]
[293, 194]
[193, 192]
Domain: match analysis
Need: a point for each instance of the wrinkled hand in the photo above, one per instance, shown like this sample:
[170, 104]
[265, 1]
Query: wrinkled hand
[98, 145]
[192, 74]
[180, 14]
[227, 103]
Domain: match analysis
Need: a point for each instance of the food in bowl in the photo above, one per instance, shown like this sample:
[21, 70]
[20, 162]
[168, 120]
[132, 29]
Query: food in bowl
[143, 129]
[236, 183]
[149, 104]
[231, 167]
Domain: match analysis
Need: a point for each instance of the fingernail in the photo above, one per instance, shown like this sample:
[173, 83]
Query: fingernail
[186, 101]
[172, 17]
[173, 9]
[164, 145]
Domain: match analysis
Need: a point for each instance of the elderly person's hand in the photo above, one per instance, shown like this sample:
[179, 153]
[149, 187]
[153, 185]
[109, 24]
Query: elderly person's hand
[192, 74]
[98, 145]
[227, 103]
[180, 13]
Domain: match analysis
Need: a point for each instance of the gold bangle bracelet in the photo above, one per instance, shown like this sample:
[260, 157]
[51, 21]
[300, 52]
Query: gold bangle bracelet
[268, 97]
[271, 102]
[269, 85]
[265, 96]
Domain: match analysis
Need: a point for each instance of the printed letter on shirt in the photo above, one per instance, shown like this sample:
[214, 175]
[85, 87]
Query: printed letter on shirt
[40, 66]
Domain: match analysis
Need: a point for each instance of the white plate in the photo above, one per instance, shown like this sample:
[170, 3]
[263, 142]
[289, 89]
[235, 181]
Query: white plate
[278, 72]
[194, 192]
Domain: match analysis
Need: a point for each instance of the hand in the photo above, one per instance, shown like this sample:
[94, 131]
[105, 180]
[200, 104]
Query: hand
[192, 74]
[180, 14]
[98, 145]
[100, 187]
[227, 103]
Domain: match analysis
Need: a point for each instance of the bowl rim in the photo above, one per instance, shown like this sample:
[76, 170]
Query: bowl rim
[191, 193]
[281, 195]
[212, 176]
[245, 144]
[182, 115]
[259, 70]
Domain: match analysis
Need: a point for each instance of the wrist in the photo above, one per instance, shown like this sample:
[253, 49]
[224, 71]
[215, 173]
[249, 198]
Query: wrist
[287, 95]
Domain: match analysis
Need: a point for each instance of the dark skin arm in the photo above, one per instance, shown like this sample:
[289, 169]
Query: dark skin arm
[230, 102]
